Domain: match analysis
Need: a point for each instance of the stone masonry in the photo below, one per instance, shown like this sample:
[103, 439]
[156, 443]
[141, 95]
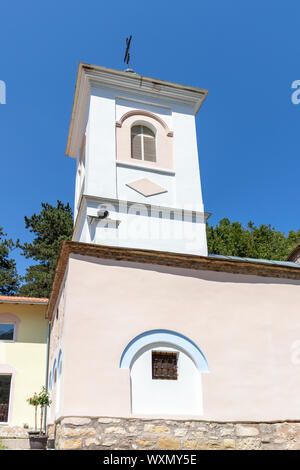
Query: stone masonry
[125, 434]
[13, 431]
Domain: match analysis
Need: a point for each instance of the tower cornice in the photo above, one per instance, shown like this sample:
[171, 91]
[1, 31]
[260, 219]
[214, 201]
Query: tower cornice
[94, 75]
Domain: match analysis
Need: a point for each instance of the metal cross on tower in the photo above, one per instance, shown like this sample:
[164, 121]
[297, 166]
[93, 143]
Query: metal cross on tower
[127, 55]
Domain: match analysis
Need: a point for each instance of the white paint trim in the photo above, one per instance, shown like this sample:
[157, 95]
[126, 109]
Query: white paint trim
[144, 167]
[120, 203]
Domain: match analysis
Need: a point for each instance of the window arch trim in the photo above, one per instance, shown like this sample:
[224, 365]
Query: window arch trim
[54, 371]
[163, 336]
[59, 361]
[141, 112]
[163, 143]
[11, 318]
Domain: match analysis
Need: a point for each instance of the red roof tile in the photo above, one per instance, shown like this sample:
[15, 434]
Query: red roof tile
[16, 299]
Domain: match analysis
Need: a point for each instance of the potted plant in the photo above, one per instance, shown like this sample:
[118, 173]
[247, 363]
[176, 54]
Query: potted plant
[38, 439]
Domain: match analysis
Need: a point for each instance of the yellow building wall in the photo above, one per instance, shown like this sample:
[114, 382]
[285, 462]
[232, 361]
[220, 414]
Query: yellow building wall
[27, 355]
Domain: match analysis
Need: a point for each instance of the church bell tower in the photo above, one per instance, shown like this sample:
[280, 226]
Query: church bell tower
[137, 180]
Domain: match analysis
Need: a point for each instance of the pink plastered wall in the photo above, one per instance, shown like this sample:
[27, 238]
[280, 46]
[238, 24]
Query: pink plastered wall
[246, 326]
[163, 136]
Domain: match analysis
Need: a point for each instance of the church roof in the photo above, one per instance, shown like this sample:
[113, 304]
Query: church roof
[219, 263]
[267, 261]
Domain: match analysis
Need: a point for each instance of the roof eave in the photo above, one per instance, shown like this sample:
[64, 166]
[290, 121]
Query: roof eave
[31, 302]
[163, 258]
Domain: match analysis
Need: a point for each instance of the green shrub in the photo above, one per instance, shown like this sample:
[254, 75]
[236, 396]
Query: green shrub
[2, 447]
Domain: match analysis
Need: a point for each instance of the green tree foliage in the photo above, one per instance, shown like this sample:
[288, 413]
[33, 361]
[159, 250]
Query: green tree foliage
[264, 242]
[50, 227]
[55, 223]
[9, 280]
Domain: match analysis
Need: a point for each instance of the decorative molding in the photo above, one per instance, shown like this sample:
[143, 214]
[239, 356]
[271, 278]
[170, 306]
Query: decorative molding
[143, 102]
[144, 167]
[121, 204]
[141, 112]
[163, 144]
[93, 75]
[146, 187]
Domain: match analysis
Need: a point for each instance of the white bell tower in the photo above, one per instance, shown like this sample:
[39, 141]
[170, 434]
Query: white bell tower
[138, 181]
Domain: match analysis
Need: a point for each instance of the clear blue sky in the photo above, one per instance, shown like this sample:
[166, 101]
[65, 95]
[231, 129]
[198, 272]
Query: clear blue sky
[246, 53]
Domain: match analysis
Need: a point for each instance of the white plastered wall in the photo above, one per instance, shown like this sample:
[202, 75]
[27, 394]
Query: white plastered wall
[106, 179]
[157, 397]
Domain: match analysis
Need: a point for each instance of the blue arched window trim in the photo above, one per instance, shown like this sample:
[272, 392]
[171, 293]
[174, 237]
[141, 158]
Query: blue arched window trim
[59, 362]
[167, 337]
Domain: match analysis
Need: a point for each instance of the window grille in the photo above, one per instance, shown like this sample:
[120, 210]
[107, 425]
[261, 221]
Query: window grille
[164, 365]
[5, 381]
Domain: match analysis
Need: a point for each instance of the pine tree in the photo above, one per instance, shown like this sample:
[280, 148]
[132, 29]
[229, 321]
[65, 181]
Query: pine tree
[50, 227]
[9, 279]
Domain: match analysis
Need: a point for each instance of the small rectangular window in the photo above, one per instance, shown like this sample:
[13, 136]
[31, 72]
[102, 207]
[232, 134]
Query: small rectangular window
[5, 382]
[164, 365]
[6, 331]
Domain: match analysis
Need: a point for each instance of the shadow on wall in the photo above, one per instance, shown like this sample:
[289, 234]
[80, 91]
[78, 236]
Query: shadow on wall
[213, 276]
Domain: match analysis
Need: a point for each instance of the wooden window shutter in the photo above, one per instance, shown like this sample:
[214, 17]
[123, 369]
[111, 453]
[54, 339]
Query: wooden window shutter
[136, 142]
[149, 149]
[143, 144]
[149, 145]
[164, 365]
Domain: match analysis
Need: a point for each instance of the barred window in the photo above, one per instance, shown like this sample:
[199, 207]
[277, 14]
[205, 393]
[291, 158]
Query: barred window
[5, 383]
[164, 365]
[143, 144]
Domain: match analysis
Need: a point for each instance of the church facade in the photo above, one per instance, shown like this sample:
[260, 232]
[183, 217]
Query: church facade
[153, 342]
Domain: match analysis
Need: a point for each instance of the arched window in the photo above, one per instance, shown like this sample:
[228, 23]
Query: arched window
[58, 386]
[143, 143]
[59, 363]
[9, 324]
[54, 373]
[165, 374]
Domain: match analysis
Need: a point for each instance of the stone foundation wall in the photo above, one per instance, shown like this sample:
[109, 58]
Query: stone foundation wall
[13, 431]
[126, 434]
